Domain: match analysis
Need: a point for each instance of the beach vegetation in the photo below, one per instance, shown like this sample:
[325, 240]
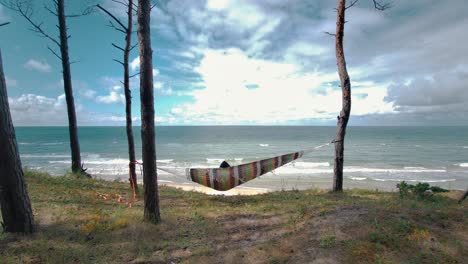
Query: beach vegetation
[420, 189]
[87, 220]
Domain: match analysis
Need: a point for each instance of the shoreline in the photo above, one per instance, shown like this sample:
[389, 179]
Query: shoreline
[244, 191]
[273, 183]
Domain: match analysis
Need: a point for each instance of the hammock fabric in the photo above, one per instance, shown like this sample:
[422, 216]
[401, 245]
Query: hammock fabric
[223, 179]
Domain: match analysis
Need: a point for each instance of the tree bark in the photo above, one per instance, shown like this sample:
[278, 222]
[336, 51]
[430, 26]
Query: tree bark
[14, 200]
[67, 85]
[151, 208]
[346, 98]
[128, 100]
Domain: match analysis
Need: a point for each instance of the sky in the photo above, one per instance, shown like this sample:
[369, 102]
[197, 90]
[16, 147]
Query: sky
[245, 62]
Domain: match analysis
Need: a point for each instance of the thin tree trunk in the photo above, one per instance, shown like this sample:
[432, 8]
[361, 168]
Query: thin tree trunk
[346, 98]
[67, 85]
[463, 196]
[14, 200]
[151, 211]
[128, 101]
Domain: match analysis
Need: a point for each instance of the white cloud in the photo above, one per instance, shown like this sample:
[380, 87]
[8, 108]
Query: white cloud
[32, 109]
[114, 96]
[114, 88]
[121, 118]
[41, 66]
[162, 89]
[38, 110]
[217, 4]
[158, 85]
[167, 91]
[176, 110]
[135, 64]
[155, 72]
[239, 89]
[88, 94]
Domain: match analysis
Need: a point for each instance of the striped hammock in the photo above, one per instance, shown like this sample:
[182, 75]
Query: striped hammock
[223, 179]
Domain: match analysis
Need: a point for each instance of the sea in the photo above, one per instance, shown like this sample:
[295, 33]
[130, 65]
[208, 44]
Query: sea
[375, 157]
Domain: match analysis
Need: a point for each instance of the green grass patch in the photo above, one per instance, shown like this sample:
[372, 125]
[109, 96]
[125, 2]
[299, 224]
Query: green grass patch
[77, 225]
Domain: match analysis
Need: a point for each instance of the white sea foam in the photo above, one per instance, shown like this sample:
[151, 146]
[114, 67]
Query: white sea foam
[464, 165]
[52, 143]
[107, 162]
[165, 160]
[25, 143]
[59, 161]
[92, 156]
[415, 168]
[318, 168]
[305, 164]
[413, 180]
[465, 147]
[407, 169]
[287, 170]
[264, 145]
[358, 178]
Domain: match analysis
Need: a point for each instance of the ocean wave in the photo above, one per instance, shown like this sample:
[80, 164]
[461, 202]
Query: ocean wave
[25, 143]
[48, 156]
[415, 168]
[214, 160]
[413, 180]
[406, 169]
[287, 170]
[165, 160]
[91, 155]
[358, 178]
[465, 147]
[264, 145]
[305, 164]
[52, 143]
[464, 165]
[60, 161]
[95, 162]
[107, 172]
[107, 162]
[321, 168]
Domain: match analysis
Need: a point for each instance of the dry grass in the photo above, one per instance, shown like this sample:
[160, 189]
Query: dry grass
[77, 226]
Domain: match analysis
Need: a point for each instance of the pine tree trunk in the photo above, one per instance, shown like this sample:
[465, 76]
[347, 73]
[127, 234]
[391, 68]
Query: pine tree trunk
[151, 210]
[67, 85]
[346, 98]
[128, 100]
[14, 200]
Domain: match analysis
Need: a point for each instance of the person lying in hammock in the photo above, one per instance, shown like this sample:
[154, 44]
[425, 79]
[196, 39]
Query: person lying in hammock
[224, 164]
